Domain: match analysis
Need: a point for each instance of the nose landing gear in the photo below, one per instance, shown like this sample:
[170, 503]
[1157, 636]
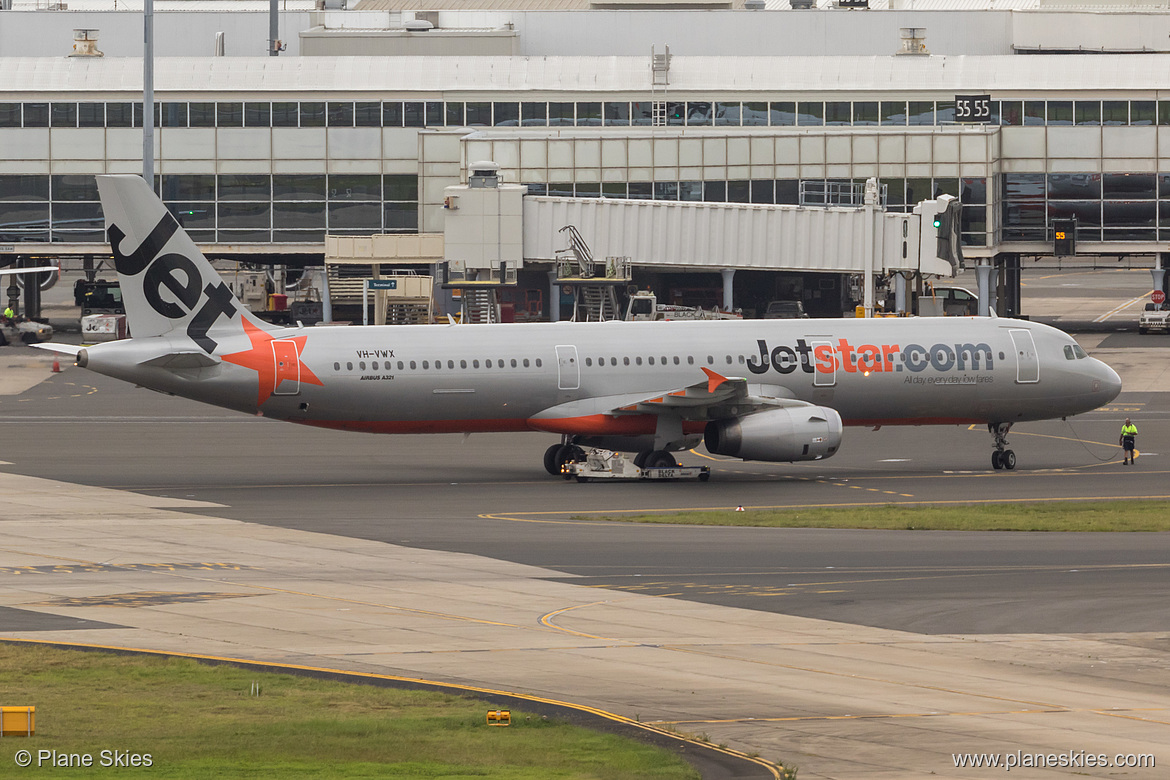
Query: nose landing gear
[1001, 458]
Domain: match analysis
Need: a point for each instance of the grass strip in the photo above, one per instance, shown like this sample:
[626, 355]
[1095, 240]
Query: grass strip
[1060, 516]
[199, 722]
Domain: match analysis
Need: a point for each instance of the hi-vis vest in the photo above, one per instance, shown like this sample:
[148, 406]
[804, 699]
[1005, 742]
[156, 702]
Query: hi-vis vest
[1129, 430]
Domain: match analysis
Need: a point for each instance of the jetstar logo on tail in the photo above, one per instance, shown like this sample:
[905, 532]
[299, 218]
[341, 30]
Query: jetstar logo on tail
[179, 276]
[272, 365]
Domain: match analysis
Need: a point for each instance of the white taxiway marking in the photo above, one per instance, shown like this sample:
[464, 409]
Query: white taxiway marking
[895, 460]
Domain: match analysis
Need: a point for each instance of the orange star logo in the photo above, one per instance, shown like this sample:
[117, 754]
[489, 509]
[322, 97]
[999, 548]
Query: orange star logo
[274, 361]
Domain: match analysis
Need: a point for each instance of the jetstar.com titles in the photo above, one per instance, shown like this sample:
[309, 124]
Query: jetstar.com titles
[828, 356]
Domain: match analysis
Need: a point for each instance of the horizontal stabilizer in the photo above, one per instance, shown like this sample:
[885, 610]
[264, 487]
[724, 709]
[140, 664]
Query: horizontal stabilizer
[64, 349]
[10, 271]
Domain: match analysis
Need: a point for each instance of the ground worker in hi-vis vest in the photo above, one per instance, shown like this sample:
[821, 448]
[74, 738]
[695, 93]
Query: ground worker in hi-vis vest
[1128, 437]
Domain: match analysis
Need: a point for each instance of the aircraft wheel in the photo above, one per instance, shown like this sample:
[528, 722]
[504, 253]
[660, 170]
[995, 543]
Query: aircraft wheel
[551, 465]
[706, 475]
[1009, 459]
[640, 459]
[996, 460]
[660, 459]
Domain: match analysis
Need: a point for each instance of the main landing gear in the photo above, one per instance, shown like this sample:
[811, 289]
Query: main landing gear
[558, 455]
[655, 459]
[1001, 458]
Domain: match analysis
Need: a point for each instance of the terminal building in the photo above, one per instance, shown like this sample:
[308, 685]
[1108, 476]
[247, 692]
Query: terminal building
[1037, 117]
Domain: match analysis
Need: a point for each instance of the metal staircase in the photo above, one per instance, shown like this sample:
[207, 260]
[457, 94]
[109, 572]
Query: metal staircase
[596, 303]
[480, 306]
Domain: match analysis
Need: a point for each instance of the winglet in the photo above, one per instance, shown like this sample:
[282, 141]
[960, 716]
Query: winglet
[713, 379]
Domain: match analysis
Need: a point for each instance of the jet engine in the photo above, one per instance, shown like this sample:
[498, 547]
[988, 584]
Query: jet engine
[784, 434]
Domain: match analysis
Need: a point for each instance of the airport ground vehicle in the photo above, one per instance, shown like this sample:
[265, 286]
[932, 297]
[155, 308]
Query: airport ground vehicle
[598, 464]
[948, 301]
[26, 331]
[1155, 317]
[785, 310]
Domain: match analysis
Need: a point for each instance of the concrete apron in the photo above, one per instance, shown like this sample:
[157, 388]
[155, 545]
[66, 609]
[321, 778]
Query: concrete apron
[837, 700]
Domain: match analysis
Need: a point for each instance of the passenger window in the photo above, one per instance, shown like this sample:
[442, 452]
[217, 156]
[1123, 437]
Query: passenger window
[513, 362]
[589, 360]
[729, 360]
[399, 365]
[676, 360]
[362, 365]
[375, 365]
[664, 360]
[651, 359]
[450, 364]
[690, 360]
[526, 362]
[613, 361]
[336, 366]
[487, 363]
[638, 360]
[710, 360]
[625, 361]
[475, 364]
[412, 365]
[538, 362]
[425, 365]
[741, 360]
[463, 364]
[349, 366]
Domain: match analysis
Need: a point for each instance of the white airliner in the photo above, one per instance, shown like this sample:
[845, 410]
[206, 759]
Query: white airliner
[772, 390]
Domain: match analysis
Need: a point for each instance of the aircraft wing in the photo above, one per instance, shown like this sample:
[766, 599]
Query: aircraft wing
[717, 396]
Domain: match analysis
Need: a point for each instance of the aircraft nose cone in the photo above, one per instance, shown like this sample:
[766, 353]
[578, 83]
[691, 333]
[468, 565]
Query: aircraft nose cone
[1110, 383]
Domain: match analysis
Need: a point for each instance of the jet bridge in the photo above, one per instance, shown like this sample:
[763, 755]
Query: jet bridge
[861, 239]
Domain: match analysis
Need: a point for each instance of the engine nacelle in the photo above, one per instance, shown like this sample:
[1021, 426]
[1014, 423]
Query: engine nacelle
[785, 434]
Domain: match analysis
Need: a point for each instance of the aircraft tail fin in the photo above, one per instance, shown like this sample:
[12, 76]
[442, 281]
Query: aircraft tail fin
[167, 284]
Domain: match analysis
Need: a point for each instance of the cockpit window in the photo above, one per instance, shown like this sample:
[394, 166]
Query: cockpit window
[1080, 353]
[1074, 352]
[1068, 352]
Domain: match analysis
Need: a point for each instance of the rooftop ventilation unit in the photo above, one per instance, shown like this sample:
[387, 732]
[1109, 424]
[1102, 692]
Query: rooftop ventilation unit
[913, 40]
[85, 44]
[418, 25]
[483, 175]
[802, 5]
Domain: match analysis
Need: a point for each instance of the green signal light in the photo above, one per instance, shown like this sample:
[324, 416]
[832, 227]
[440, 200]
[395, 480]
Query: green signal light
[938, 222]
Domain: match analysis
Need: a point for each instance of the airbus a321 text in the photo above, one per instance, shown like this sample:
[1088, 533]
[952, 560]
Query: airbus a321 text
[770, 390]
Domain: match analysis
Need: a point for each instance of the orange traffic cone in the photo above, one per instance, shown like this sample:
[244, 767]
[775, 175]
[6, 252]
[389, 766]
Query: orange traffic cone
[56, 366]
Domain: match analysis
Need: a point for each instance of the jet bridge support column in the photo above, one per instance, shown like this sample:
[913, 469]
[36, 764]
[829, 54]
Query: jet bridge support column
[728, 275]
[901, 291]
[554, 297]
[1159, 271]
[983, 278]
